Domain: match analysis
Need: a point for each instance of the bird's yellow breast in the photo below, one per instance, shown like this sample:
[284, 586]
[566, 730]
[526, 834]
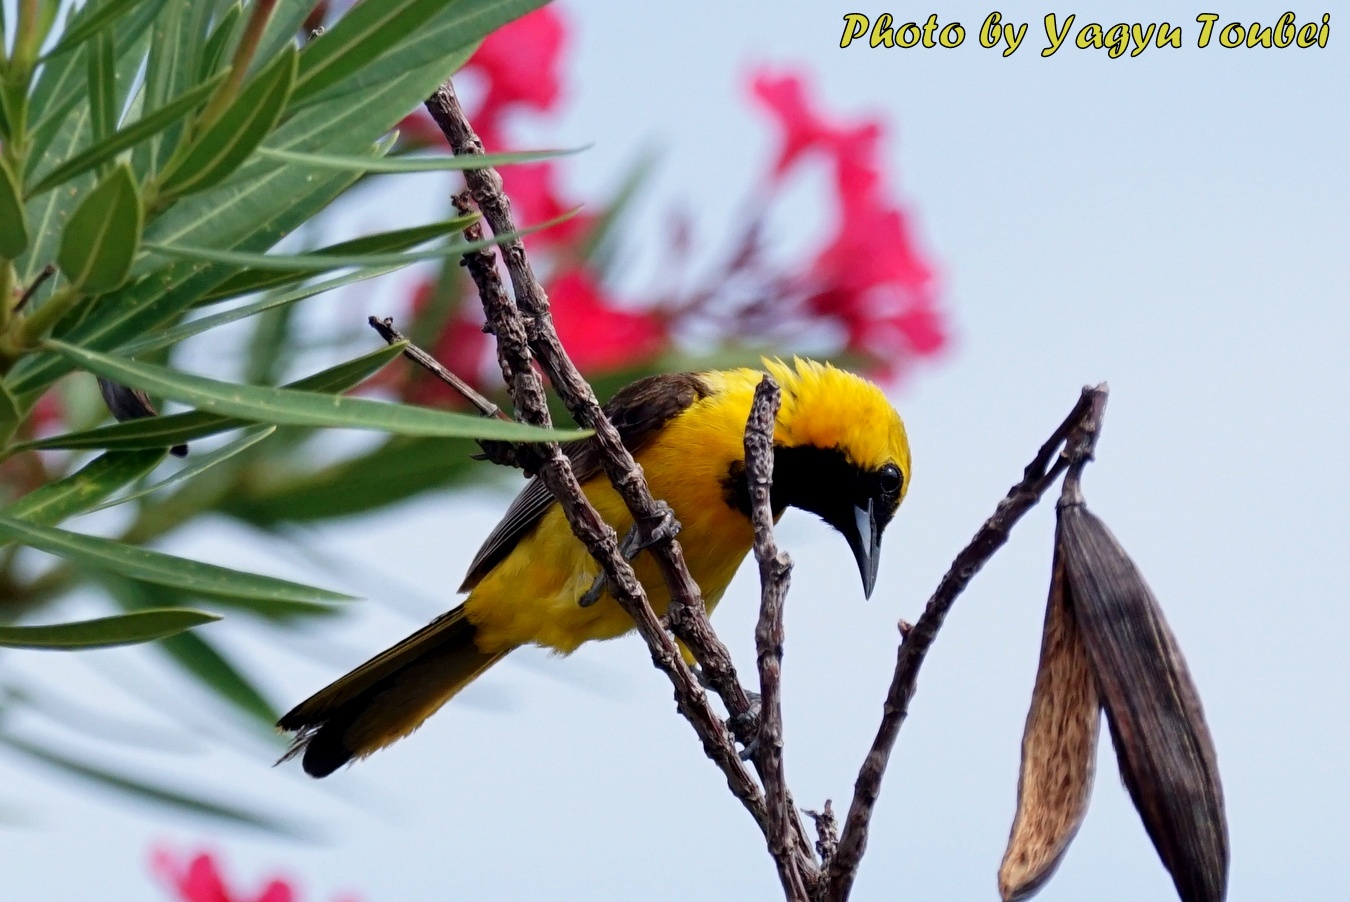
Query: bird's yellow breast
[532, 597]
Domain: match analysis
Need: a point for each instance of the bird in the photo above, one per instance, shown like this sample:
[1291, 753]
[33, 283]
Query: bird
[840, 451]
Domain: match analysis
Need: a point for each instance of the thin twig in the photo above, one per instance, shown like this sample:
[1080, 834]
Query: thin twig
[517, 337]
[46, 273]
[775, 571]
[1076, 437]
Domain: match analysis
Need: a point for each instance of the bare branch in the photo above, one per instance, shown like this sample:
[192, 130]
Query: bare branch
[1077, 437]
[524, 328]
[775, 570]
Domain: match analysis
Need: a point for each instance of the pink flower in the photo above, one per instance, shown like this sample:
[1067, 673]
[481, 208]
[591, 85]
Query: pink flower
[597, 334]
[520, 63]
[200, 880]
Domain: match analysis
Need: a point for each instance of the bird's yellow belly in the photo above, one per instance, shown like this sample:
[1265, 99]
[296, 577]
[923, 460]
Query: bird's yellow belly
[533, 596]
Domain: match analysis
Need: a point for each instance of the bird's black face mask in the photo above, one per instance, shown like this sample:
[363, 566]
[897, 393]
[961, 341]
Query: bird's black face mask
[857, 502]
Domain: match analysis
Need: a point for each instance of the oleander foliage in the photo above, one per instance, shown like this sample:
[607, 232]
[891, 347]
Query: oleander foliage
[152, 153]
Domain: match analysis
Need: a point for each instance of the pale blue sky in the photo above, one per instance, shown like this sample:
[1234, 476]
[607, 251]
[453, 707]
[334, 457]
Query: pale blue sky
[1175, 224]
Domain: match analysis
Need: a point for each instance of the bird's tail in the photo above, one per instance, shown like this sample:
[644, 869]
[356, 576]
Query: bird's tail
[387, 697]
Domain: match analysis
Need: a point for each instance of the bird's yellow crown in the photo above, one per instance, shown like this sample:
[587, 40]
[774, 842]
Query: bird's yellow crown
[828, 407]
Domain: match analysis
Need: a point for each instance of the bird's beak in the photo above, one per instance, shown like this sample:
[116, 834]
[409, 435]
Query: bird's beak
[865, 540]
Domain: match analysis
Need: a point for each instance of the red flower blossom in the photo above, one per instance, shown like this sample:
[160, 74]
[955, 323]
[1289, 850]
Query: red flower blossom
[520, 64]
[870, 278]
[199, 880]
[598, 335]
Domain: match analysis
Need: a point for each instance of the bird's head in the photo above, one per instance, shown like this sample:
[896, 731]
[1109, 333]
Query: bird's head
[840, 451]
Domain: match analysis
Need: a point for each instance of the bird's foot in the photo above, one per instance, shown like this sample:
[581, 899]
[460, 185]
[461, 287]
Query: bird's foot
[632, 544]
[745, 727]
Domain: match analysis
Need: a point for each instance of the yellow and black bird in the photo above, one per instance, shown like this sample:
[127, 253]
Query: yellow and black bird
[840, 451]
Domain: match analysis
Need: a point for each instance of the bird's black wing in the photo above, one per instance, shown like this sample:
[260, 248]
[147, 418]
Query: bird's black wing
[638, 411]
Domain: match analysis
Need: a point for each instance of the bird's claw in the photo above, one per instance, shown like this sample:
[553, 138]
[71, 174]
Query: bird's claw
[632, 544]
[746, 726]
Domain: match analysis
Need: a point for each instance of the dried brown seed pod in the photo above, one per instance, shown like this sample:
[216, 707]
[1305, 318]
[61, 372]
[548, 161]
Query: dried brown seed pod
[1163, 745]
[1059, 751]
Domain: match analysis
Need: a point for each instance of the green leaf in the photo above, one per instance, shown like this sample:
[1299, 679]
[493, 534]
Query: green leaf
[222, 39]
[101, 238]
[252, 210]
[139, 789]
[156, 567]
[13, 227]
[282, 27]
[437, 163]
[170, 337]
[359, 37]
[97, 22]
[197, 464]
[249, 281]
[147, 125]
[227, 142]
[80, 491]
[397, 470]
[105, 632]
[101, 62]
[204, 661]
[287, 407]
[324, 262]
[10, 416]
[164, 431]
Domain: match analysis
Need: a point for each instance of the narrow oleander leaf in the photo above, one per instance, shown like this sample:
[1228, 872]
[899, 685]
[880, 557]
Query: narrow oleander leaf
[97, 23]
[105, 632]
[82, 490]
[325, 262]
[161, 432]
[362, 35]
[220, 40]
[170, 337]
[10, 415]
[437, 163]
[227, 143]
[1059, 752]
[156, 567]
[101, 239]
[146, 126]
[101, 66]
[252, 280]
[13, 224]
[214, 670]
[282, 27]
[1163, 745]
[199, 464]
[287, 407]
[145, 791]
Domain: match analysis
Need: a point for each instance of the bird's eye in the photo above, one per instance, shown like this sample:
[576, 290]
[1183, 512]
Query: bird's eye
[890, 479]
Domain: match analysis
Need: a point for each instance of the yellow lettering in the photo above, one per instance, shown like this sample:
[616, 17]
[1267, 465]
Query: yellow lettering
[952, 35]
[1259, 37]
[882, 33]
[990, 32]
[1091, 35]
[855, 26]
[1285, 30]
[1055, 35]
[929, 29]
[1117, 40]
[1169, 36]
[1013, 35]
[1232, 35]
[1307, 35]
[1206, 21]
[1140, 37]
[903, 36]
[1324, 33]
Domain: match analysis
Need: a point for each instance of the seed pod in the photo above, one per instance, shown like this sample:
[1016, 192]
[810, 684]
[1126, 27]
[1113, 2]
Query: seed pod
[1059, 751]
[131, 404]
[1165, 751]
